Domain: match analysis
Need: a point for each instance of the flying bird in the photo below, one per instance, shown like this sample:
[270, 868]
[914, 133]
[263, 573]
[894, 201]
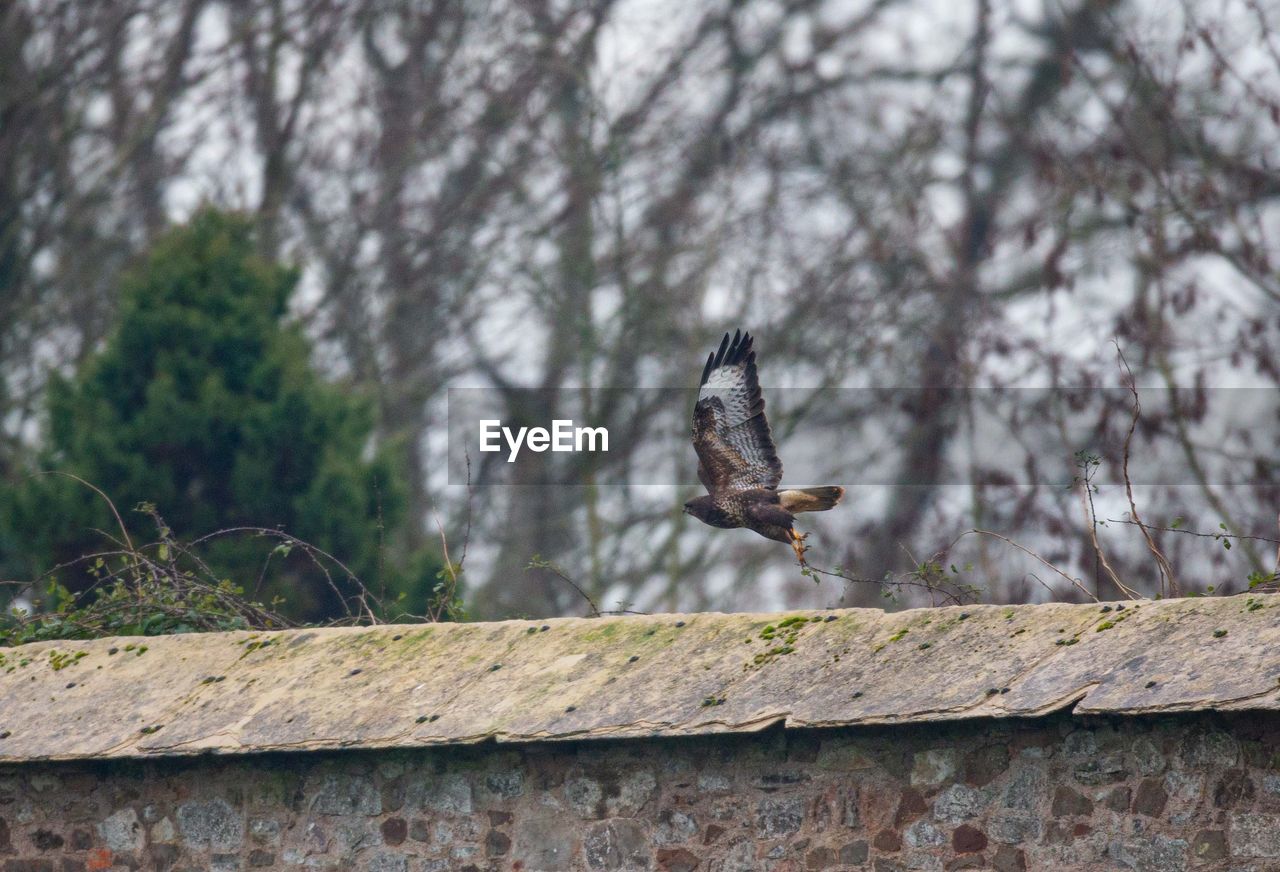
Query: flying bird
[737, 461]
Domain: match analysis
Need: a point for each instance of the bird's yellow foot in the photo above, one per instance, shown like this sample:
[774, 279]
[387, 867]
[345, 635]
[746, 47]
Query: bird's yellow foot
[797, 545]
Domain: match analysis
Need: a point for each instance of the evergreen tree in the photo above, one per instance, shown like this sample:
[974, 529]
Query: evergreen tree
[203, 403]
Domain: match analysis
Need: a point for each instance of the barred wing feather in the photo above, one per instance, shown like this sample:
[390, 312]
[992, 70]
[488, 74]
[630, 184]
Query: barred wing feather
[730, 432]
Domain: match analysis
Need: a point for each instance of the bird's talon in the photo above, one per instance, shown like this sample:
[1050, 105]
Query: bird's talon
[797, 545]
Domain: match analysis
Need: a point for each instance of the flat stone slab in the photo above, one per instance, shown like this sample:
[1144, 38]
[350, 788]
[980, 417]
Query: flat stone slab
[636, 676]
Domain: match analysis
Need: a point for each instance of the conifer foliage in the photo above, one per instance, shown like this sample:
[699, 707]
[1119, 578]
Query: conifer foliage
[203, 404]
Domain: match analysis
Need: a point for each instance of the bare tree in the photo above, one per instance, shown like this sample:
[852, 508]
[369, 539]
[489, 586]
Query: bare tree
[937, 239]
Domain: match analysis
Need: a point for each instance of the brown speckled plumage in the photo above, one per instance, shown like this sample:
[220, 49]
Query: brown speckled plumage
[737, 461]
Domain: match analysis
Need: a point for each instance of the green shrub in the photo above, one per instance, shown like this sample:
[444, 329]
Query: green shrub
[203, 403]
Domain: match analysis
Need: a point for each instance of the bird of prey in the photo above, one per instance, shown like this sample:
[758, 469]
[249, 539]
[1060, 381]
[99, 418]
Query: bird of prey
[737, 461]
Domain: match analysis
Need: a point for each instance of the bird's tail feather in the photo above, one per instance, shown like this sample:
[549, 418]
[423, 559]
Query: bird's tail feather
[810, 499]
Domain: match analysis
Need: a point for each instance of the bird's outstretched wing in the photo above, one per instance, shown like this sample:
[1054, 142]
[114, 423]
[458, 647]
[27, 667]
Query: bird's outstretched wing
[730, 432]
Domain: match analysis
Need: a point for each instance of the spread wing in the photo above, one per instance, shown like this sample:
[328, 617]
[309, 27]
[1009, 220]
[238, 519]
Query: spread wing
[730, 432]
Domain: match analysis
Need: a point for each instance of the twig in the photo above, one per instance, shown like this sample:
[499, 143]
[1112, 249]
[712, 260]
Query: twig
[1040, 581]
[1162, 562]
[141, 590]
[439, 607]
[537, 562]
[448, 563]
[120, 521]
[927, 572]
[1075, 582]
[1179, 420]
[1184, 532]
[906, 579]
[362, 595]
[382, 542]
[471, 492]
[1091, 521]
[442, 604]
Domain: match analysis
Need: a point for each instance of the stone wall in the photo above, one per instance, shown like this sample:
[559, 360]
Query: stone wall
[1164, 793]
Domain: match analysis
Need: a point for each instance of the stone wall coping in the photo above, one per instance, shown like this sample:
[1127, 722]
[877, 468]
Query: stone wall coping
[402, 686]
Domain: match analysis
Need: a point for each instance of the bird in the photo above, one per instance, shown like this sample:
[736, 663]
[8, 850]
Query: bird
[737, 461]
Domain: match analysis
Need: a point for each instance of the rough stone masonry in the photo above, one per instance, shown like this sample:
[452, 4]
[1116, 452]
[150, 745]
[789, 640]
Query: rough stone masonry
[1139, 735]
[1194, 791]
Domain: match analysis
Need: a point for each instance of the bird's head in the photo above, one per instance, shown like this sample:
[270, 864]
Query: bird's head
[699, 507]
